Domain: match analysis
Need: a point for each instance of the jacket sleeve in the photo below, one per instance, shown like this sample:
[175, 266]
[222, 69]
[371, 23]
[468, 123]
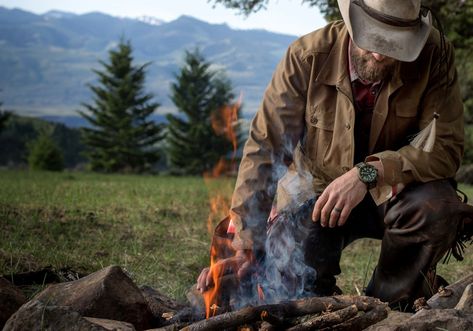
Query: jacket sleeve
[413, 164]
[274, 133]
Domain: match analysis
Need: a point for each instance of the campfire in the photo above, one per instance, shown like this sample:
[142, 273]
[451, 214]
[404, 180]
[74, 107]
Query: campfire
[258, 302]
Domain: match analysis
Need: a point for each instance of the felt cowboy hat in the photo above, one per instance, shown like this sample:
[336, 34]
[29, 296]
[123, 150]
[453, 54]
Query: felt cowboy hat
[398, 29]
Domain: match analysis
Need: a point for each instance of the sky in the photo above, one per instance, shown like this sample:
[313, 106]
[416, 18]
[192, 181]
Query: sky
[285, 16]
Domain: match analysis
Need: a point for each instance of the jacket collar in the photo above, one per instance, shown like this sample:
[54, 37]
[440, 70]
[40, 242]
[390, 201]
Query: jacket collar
[335, 68]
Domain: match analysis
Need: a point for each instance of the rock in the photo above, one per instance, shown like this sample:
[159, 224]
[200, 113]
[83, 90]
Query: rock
[111, 325]
[449, 296]
[35, 316]
[160, 304]
[439, 319]
[466, 301]
[108, 293]
[430, 319]
[11, 299]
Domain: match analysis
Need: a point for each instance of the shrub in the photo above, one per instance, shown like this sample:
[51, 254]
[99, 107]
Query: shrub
[44, 154]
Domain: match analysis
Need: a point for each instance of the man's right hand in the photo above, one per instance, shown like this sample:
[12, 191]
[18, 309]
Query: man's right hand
[239, 264]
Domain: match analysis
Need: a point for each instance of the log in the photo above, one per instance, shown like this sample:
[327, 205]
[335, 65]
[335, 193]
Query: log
[327, 320]
[450, 295]
[287, 309]
[361, 321]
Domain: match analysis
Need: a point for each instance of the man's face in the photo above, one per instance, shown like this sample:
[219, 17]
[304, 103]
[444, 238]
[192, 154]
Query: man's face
[371, 67]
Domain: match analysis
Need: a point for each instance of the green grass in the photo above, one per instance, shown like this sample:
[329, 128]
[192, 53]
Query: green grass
[154, 227]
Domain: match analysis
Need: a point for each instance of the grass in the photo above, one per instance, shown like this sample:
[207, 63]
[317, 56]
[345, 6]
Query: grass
[154, 227]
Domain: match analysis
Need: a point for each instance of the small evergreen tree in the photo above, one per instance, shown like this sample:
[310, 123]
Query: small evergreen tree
[44, 154]
[4, 116]
[123, 138]
[198, 93]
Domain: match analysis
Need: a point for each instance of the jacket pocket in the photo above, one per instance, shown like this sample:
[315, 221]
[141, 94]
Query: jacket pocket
[320, 125]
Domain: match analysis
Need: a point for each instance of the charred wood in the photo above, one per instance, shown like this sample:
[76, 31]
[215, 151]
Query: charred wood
[287, 309]
[362, 320]
[327, 320]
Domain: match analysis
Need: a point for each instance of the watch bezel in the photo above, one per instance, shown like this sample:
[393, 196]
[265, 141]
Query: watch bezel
[369, 178]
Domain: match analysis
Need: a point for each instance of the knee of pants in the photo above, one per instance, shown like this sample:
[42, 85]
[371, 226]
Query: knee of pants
[426, 211]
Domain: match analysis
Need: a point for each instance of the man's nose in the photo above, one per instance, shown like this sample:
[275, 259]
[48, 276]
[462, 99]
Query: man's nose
[378, 57]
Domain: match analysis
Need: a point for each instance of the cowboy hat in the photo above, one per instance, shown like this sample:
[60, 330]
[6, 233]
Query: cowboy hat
[398, 29]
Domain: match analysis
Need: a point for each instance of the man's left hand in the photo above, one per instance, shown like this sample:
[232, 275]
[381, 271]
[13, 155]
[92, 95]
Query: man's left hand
[339, 198]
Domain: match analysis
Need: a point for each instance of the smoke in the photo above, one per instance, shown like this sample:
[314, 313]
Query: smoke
[282, 274]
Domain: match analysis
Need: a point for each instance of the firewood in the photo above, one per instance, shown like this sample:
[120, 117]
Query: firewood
[362, 320]
[273, 319]
[326, 320]
[449, 297]
[265, 326]
[287, 309]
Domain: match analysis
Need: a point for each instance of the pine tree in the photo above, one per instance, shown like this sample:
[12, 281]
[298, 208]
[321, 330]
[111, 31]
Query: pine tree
[123, 138]
[4, 116]
[199, 93]
[44, 154]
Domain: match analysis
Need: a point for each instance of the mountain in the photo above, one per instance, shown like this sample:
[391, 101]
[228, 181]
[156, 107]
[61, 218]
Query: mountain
[47, 60]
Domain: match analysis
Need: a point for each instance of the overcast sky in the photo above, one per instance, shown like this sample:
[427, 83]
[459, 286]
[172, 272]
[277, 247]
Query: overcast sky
[286, 16]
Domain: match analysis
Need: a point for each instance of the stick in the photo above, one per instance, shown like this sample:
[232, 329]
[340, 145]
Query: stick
[287, 309]
[361, 321]
[326, 320]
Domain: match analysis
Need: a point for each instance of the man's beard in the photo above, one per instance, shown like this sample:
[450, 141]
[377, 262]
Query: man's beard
[368, 69]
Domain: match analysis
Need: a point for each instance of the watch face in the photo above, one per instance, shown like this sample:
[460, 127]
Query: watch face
[368, 174]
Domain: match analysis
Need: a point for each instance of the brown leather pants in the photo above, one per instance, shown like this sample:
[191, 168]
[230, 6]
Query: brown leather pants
[417, 227]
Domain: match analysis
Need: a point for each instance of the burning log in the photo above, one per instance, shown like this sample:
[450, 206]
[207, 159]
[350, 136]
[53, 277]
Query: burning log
[375, 311]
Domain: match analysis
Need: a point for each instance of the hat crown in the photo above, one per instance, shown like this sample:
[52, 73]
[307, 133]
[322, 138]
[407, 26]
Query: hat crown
[405, 9]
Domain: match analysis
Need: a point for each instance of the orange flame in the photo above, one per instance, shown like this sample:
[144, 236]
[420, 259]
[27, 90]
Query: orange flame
[210, 296]
[223, 123]
[260, 293]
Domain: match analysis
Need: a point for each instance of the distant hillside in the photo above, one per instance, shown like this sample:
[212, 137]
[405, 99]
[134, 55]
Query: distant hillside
[47, 60]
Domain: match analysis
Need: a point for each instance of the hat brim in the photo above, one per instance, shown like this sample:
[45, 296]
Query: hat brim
[401, 43]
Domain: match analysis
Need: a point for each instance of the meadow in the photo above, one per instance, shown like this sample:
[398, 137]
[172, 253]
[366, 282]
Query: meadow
[155, 227]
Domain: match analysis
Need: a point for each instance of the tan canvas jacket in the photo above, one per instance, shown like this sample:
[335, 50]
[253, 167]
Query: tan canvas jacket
[309, 101]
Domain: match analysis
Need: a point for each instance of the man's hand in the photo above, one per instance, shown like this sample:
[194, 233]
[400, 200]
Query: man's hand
[339, 198]
[239, 264]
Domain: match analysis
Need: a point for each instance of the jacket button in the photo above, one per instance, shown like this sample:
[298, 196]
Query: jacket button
[314, 120]
[347, 126]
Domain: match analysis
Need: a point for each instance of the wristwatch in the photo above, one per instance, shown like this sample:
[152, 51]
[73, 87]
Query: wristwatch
[368, 174]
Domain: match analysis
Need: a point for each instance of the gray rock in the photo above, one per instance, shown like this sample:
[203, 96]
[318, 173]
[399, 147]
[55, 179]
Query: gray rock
[36, 316]
[466, 301]
[11, 299]
[111, 325]
[450, 295]
[108, 294]
[431, 319]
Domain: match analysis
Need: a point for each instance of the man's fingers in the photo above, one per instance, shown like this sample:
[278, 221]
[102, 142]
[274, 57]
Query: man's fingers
[318, 207]
[202, 279]
[326, 212]
[344, 215]
[335, 216]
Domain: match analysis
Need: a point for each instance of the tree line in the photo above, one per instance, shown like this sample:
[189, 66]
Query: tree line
[122, 136]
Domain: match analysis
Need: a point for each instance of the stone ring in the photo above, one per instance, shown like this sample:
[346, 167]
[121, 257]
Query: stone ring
[337, 210]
